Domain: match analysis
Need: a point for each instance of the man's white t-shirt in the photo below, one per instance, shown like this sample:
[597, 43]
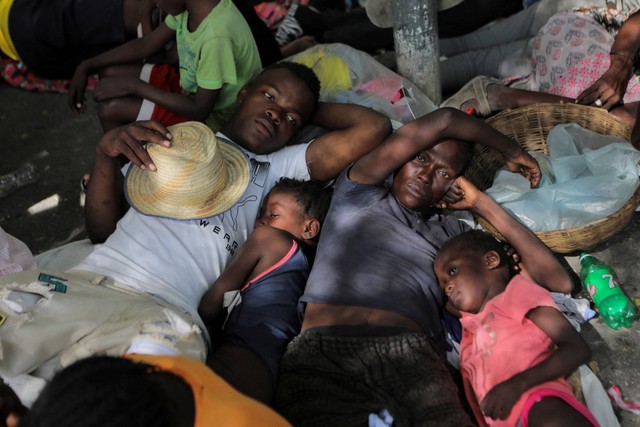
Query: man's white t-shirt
[176, 260]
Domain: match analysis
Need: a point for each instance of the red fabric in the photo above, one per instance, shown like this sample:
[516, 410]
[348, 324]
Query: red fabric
[569, 399]
[17, 75]
[166, 77]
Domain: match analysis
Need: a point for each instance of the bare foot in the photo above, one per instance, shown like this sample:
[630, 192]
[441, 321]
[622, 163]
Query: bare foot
[496, 93]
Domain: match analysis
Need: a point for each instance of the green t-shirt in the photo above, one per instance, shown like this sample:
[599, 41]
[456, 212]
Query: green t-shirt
[220, 54]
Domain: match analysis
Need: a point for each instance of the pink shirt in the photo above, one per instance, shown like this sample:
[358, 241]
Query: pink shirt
[500, 342]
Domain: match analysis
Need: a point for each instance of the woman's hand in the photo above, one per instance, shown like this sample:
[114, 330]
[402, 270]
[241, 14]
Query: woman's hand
[609, 89]
[524, 164]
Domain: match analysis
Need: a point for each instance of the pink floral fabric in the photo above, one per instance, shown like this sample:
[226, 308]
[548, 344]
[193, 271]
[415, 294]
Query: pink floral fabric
[16, 74]
[572, 51]
[272, 13]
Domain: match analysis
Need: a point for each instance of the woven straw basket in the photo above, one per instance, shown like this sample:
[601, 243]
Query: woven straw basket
[529, 126]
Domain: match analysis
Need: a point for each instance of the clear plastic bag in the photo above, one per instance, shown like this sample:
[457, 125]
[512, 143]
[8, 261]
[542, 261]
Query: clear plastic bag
[349, 75]
[586, 177]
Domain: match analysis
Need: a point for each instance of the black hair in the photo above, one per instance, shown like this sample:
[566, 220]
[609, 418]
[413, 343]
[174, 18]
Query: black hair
[102, 391]
[312, 196]
[304, 73]
[478, 241]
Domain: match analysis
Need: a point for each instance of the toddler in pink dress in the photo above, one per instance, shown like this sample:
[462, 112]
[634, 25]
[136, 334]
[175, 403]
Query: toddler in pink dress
[516, 346]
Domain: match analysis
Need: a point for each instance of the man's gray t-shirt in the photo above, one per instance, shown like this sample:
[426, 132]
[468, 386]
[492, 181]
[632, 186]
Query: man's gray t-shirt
[375, 253]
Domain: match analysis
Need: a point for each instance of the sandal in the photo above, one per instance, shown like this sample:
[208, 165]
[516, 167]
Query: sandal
[84, 181]
[475, 89]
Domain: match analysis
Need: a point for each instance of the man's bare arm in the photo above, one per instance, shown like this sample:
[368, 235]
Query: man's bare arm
[354, 131]
[421, 134]
[105, 205]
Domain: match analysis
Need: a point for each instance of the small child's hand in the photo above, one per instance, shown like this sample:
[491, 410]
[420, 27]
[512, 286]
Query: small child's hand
[497, 404]
[513, 258]
[462, 195]
[77, 87]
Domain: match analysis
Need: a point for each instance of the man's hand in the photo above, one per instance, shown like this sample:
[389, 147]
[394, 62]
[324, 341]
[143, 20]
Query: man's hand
[526, 166]
[130, 141]
[497, 404]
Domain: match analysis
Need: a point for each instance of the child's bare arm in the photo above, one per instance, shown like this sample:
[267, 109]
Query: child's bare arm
[571, 352]
[234, 277]
[540, 263]
[145, 15]
[427, 131]
[129, 52]
[196, 107]
[264, 247]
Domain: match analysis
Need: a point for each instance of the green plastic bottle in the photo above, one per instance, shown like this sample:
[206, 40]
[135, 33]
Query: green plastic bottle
[613, 305]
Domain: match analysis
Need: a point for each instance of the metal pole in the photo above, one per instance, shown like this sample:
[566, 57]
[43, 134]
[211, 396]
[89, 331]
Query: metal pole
[415, 31]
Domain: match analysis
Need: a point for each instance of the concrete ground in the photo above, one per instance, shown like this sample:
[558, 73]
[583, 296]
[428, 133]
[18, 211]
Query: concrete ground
[42, 129]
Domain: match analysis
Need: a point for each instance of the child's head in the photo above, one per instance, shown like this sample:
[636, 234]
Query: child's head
[296, 206]
[424, 180]
[273, 107]
[107, 391]
[472, 268]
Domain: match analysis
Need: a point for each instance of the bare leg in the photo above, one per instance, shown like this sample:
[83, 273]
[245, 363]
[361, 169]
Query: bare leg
[118, 111]
[502, 97]
[129, 70]
[138, 12]
[244, 370]
[555, 412]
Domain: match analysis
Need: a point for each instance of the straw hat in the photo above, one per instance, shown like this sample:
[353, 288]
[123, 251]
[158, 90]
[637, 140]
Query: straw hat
[197, 177]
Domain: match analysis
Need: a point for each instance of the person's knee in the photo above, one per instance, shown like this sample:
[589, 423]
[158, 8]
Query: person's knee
[244, 370]
[110, 71]
[109, 110]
